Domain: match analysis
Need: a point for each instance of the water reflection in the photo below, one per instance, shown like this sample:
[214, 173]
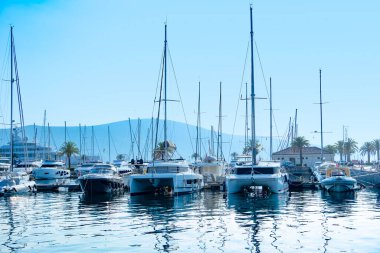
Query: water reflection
[254, 212]
[166, 215]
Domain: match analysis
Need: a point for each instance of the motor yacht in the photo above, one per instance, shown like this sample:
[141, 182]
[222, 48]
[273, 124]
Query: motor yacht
[102, 178]
[51, 170]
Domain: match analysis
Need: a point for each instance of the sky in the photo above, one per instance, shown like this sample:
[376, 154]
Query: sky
[94, 62]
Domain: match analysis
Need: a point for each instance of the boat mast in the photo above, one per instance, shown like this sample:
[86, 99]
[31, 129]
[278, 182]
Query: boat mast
[270, 116]
[80, 143]
[109, 146]
[219, 152]
[253, 130]
[246, 117]
[320, 108]
[165, 92]
[198, 140]
[65, 132]
[11, 135]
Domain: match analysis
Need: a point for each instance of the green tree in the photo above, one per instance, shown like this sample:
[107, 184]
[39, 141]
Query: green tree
[367, 149]
[69, 148]
[159, 151]
[248, 149]
[340, 148]
[120, 157]
[331, 149]
[298, 144]
[350, 147]
[234, 155]
[376, 145]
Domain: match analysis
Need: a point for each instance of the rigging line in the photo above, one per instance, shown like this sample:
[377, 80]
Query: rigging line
[21, 112]
[179, 93]
[158, 80]
[159, 108]
[237, 106]
[99, 151]
[114, 146]
[265, 82]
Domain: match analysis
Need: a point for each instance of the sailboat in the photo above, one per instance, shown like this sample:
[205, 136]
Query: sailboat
[166, 175]
[15, 182]
[268, 174]
[211, 167]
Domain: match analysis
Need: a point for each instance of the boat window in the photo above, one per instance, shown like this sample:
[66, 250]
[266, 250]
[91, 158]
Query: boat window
[166, 169]
[257, 170]
[51, 165]
[101, 171]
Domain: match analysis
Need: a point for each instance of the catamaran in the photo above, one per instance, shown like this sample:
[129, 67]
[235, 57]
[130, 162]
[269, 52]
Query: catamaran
[164, 174]
[269, 174]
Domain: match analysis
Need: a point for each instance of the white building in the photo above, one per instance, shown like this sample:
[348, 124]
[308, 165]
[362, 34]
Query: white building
[310, 155]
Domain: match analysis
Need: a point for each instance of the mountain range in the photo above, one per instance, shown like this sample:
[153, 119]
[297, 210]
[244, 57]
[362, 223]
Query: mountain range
[125, 136]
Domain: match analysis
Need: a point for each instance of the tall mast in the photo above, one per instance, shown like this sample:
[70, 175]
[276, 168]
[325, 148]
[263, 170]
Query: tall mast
[270, 116]
[80, 143]
[11, 135]
[198, 140]
[44, 135]
[246, 117]
[320, 108]
[220, 130]
[165, 92]
[92, 142]
[109, 145]
[35, 141]
[253, 130]
[131, 137]
[49, 150]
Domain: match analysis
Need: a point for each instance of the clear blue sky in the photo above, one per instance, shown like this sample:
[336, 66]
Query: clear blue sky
[94, 62]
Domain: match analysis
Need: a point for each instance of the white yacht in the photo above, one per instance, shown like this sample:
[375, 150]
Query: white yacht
[338, 179]
[103, 178]
[171, 176]
[267, 174]
[16, 183]
[27, 167]
[125, 169]
[51, 170]
[84, 168]
[212, 170]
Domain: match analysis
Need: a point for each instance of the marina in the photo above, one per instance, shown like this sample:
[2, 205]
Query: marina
[189, 126]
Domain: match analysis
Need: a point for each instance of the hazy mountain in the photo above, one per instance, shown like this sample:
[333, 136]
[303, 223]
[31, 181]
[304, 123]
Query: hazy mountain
[120, 139]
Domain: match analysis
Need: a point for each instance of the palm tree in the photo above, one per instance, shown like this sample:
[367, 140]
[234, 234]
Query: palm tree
[340, 148]
[367, 149]
[195, 156]
[234, 155]
[159, 151]
[248, 149]
[69, 148]
[299, 143]
[376, 145]
[350, 147]
[331, 149]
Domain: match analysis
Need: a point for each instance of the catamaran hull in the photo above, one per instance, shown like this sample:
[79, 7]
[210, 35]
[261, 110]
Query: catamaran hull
[176, 184]
[50, 173]
[100, 185]
[237, 183]
[339, 184]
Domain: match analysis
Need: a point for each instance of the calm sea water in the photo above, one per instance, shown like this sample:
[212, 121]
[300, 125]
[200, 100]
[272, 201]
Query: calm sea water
[307, 221]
